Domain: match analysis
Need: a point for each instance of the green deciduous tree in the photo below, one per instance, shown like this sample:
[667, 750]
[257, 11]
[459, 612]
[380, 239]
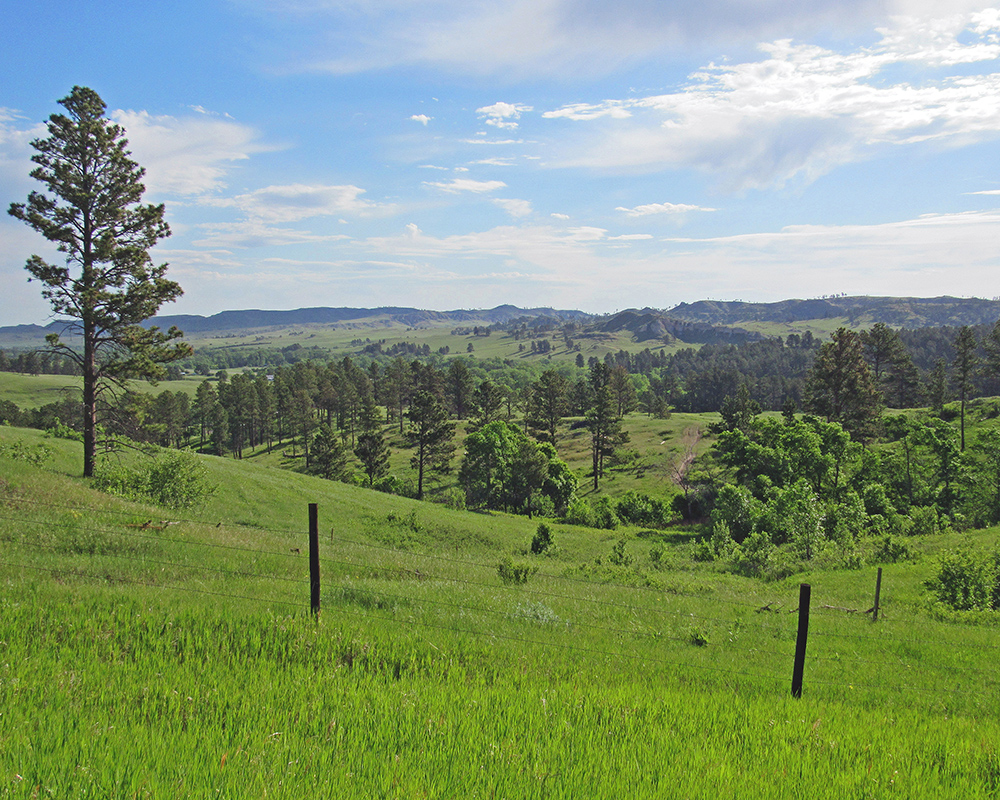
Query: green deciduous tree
[109, 284]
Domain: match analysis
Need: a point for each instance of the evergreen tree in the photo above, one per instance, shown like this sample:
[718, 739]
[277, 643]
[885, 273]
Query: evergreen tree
[109, 285]
[329, 456]
[937, 387]
[841, 387]
[547, 405]
[431, 434]
[371, 449]
[963, 368]
[488, 402]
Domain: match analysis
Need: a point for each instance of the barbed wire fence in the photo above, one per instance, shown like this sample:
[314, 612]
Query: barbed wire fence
[294, 584]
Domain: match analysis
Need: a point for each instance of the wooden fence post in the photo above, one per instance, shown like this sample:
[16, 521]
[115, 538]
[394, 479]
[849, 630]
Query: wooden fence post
[805, 591]
[878, 592]
[314, 557]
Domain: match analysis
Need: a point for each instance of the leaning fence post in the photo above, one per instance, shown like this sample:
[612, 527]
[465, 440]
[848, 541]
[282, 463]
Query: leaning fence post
[878, 591]
[805, 590]
[314, 557]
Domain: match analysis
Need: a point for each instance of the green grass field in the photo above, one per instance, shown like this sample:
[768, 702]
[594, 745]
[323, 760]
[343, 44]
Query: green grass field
[147, 652]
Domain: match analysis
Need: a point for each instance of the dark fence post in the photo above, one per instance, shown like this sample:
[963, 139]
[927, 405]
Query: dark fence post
[805, 591]
[314, 557]
[878, 592]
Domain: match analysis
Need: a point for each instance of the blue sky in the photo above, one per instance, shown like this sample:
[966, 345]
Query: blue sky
[572, 153]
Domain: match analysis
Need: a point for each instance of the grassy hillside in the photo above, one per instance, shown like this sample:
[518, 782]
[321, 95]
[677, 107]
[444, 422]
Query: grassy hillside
[146, 651]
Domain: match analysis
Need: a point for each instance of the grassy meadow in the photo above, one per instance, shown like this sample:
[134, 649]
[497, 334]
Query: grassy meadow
[152, 652]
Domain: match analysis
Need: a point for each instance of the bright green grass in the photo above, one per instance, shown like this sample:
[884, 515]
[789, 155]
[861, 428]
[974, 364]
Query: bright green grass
[180, 660]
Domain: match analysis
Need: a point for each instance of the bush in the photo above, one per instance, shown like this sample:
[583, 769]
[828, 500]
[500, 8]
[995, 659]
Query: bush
[580, 513]
[178, 480]
[174, 479]
[514, 574]
[390, 484]
[640, 509]
[925, 520]
[890, 549]
[618, 555]
[605, 517]
[753, 556]
[599, 515]
[966, 581]
[542, 540]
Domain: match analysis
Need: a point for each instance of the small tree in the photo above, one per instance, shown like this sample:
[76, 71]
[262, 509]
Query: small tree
[430, 434]
[109, 284]
[371, 449]
[329, 456]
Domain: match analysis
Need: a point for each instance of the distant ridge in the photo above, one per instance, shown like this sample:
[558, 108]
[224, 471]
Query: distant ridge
[249, 319]
[904, 312]
[703, 321]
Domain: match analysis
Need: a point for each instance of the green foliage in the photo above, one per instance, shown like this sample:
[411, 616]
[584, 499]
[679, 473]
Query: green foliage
[891, 549]
[514, 573]
[640, 509]
[753, 556]
[541, 542]
[618, 556]
[328, 457]
[172, 478]
[93, 213]
[36, 455]
[61, 431]
[967, 580]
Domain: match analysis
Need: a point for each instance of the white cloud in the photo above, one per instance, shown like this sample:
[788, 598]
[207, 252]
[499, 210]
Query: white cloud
[298, 201]
[503, 115]
[187, 156]
[255, 233]
[423, 119]
[567, 38]
[661, 208]
[516, 208]
[803, 109]
[468, 185]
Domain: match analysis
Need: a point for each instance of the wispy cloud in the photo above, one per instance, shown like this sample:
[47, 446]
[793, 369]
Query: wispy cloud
[423, 119]
[300, 201]
[803, 109]
[661, 208]
[567, 38]
[188, 155]
[459, 185]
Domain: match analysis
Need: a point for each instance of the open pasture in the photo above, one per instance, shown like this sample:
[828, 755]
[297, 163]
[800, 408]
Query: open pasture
[155, 652]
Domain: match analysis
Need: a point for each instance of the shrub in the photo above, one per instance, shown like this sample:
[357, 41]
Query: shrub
[390, 484]
[174, 479]
[580, 513]
[599, 515]
[542, 540]
[514, 574]
[19, 451]
[966, 581]
[890, 549]
[618, 555]
[925, 520]
[640, 509]
[605, 517]
[178, 480]
[753, 556]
